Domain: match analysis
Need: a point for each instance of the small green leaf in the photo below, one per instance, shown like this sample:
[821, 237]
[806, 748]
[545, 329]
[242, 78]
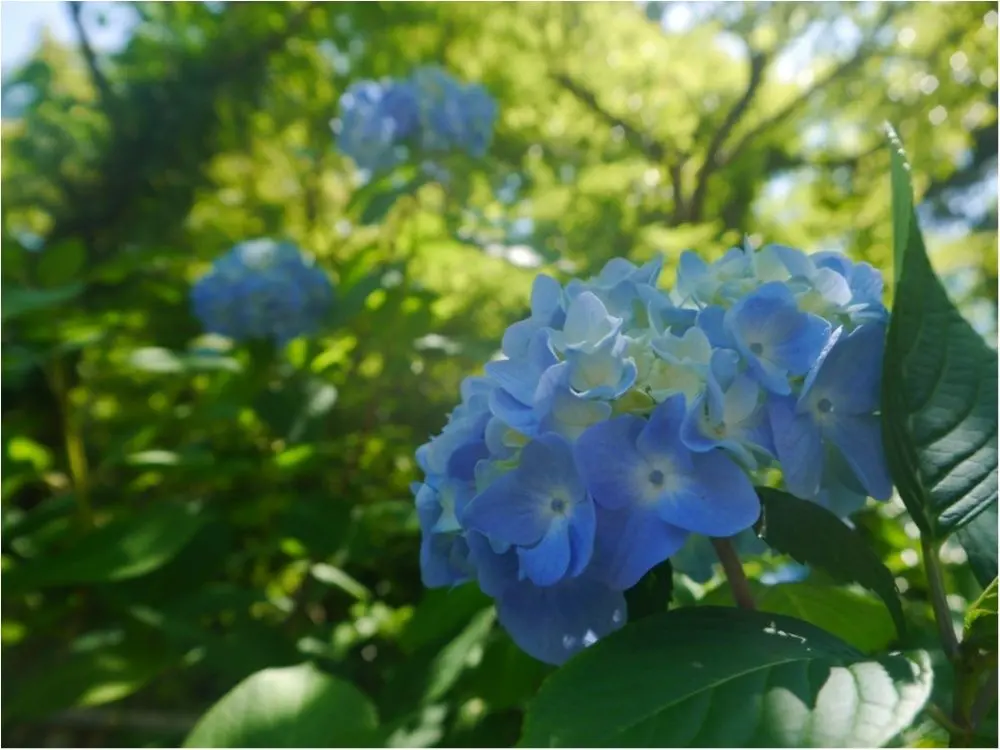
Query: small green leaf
[296, 706]
[333, 576]
[858, 619]
[814, 536]
[125, 548]
[939, 387]
[17, 301]
[981, 620]
[716, 677]
[979, 540]
[448, 666]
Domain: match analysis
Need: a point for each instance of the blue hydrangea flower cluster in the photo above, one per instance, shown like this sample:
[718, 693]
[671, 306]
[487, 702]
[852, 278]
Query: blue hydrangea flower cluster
[262, 289]
[623, 421]
[430, 112]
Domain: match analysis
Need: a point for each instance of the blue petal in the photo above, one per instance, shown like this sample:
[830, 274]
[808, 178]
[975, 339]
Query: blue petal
[720, 501]
[547, 463]
[712, 321]
[509, 511]
[547, 562]
[588, 323]
[860, 440]
[582, 528]
[462, 464]
[799, 351]
[518, 415]
[661, 435]
[630, 543]
[569, 415]
[496, 572]
[798, 446]
[608, 461]
[849, 374]
[552, 624]
[444, 560]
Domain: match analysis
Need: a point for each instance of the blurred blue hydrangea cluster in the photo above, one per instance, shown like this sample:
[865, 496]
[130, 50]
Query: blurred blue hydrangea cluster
[430, 112]
[262, 289]
[624, 422]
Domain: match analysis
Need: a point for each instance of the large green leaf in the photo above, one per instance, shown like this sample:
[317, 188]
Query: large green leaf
[125, 548]
[296, 706]
[939, 395]
[87, 678]
[856, 618]
[814, 536]
[707, 676]
[979, 540]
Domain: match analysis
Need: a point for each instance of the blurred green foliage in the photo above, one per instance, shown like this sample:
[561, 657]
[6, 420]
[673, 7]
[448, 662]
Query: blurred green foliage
[179, 514]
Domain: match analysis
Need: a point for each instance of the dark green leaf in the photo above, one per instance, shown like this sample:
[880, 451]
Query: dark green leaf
[17, 301]
[652, 594]
[296, 706]
[858, 619]
[979, 540]
[814, 536]
[61, 264]
[981, 620]
[939, 396]
[448, 666]
[125, 548]
[89, 678]
[706, 676]
[440, 614]
[379, 205]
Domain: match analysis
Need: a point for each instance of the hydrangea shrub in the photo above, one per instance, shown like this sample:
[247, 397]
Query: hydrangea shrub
[429, 113]
[623, 422]
[262, 289]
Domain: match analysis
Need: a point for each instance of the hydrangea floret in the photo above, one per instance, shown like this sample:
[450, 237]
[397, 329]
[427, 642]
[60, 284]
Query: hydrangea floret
[429, 113]
[262, 289]
[624, 422]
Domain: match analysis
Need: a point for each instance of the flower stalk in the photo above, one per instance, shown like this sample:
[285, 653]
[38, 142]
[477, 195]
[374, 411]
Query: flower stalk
[733, 569]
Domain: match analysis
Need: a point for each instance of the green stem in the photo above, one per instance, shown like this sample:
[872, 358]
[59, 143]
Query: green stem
[939, 600]
[76, 454]
[939, 715]
[733, 569]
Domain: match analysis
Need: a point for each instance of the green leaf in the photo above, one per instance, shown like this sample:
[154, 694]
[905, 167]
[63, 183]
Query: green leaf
[858, 619]
[814, 536]
[379, 204]
[296, 706]
[902, 200]
[89, 678]
[124, 548]
[979, 540]
[448, 666]
[715, 677]
[440, 614]
[334, 576]
[17, 301]
[939, 387]
[61, 264]
[981, 620]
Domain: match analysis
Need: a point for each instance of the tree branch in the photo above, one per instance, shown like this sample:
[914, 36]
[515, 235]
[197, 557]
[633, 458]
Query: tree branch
[651, 148]
[858, 58]
[104, 91]
[758, 63]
